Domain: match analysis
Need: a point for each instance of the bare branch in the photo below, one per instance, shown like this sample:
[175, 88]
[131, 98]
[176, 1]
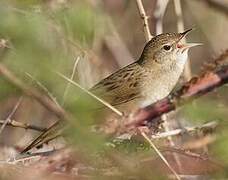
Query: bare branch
[195, 88]
[71, 77]
[144, 17]
[11, 114]
[14, 123]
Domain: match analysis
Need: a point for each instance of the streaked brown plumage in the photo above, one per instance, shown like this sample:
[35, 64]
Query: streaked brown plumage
[143, 82]
[121, 86]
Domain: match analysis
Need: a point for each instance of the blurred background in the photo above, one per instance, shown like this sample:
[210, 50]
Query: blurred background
[94, 38]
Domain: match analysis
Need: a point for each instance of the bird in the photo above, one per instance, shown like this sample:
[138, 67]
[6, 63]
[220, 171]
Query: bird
[152, 77]
[145, 81]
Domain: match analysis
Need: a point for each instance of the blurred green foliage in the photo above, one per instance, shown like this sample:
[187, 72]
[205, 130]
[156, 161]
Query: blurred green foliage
[208, 109]
[78, 23]
[44, 41]
[204, 110]
[39, 39]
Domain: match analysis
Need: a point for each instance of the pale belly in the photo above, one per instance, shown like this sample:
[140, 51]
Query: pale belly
[154, 90]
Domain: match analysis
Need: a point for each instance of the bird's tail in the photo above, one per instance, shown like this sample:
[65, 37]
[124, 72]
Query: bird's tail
[51, 133]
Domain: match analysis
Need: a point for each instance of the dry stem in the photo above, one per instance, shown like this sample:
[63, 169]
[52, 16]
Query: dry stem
[160, 155]
[144, 17]
[71, 77]
[14, 123]
[92, 95]
[11, 114]
[43, 88]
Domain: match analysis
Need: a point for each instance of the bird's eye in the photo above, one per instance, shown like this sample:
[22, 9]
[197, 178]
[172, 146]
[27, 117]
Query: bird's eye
[167, 47]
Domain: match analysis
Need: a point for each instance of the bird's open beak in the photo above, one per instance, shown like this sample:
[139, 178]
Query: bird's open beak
[185, 46]
[188, 45]
[183, 34]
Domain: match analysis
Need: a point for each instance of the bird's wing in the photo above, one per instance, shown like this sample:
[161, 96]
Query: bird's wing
[120, 87]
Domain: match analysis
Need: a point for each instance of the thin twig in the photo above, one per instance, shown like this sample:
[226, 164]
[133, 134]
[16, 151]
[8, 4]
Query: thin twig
[25, 157]
[71, 78]
[14, 123]
[11, 114]
[160, 155]
[208, 126]
[144, 17]
[43, 88]
[92, 95]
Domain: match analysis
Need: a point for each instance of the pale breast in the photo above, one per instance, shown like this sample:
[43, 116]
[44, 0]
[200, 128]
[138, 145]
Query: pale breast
[158, 85]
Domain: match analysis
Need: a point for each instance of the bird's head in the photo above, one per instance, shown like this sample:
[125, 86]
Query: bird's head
[167, 50]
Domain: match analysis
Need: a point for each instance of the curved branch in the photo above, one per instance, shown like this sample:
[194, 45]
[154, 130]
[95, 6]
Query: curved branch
[195, 88]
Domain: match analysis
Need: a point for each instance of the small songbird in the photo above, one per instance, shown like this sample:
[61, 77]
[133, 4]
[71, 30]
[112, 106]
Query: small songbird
[152, 77]
[149, 79]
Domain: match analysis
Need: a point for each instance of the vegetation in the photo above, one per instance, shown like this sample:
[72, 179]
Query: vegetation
[47, 44]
